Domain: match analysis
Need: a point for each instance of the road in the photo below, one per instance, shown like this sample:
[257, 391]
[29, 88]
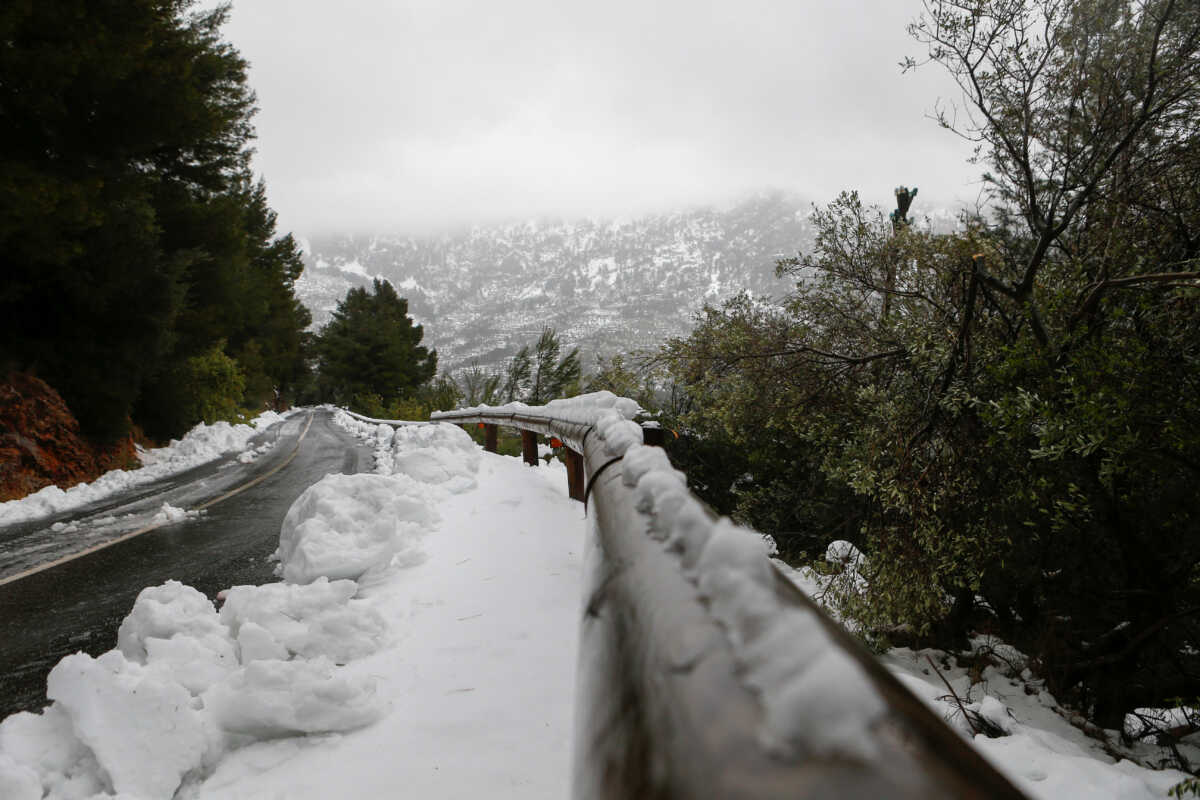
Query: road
[78, 604]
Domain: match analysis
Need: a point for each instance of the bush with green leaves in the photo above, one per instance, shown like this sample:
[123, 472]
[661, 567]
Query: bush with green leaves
[1005, 419]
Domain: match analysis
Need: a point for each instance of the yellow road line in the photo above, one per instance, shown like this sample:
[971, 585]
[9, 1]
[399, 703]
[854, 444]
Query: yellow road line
[148, 528]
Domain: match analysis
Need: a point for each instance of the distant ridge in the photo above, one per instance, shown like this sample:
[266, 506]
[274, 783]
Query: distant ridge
[605, 286]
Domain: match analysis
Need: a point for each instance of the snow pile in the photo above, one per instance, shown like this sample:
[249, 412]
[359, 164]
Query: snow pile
[318, 619]
[169, 514]
[249, 456]
[169, 737]
[200, 445]
[187, 685]
[344, 526]
[816, 698]
[436, 454]
[205, 442]
[429, 453]
[1031, 739]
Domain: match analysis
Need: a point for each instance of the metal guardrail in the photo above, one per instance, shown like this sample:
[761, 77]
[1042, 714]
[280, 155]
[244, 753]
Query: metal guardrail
[664, 709]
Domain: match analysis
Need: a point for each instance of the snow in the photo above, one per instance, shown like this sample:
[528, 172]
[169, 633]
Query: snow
[462, 610]
[345, 526]
[139, 723]
[284, 620]
[201, 444]
[1039, 750]
[816, 698]
[423, 641]
[608, 412]
[1148, 723]
[168, 514]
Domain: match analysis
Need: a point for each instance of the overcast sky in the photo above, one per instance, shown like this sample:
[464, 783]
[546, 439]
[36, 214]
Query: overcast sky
[409, 115]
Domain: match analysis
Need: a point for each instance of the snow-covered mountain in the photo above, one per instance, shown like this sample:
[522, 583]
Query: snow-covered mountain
[606, 286]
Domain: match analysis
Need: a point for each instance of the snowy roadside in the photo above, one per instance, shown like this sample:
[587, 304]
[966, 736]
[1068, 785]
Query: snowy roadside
[200, 445]
[423, 641]
[1031, 740]
[423, 637]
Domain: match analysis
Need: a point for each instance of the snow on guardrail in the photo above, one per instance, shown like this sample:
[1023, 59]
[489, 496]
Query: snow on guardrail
[820, 701]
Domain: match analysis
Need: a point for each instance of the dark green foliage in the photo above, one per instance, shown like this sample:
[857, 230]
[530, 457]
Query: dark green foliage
[632, 376]
[551, 376]
[1010, 412]
[128, 221]
[212, 385]
[536, 377]
[476, 386]
[371, 347]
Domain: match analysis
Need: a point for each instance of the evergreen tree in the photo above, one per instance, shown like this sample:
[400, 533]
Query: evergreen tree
[516, 375]
[1006, 419]
[372, 347]
[539, 376]
[130, 231]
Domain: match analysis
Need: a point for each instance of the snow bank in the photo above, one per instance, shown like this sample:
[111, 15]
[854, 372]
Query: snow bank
[200, 445]
[187, 684]
[426, 452]
[269, 698]
[139, 723]
[1037, 747]
[318, 619]
[346, 525]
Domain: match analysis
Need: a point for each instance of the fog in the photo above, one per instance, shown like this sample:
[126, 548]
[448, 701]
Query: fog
[426, 114]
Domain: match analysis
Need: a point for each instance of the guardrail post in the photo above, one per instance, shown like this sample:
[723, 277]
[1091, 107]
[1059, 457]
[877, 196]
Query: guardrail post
[489, 437]
[529, 447]
[575, 479]
[653, 435]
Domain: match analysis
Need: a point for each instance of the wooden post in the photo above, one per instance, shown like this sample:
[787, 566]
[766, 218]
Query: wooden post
[575, 479]
[489, 438]
[529, 447]
[653, 435]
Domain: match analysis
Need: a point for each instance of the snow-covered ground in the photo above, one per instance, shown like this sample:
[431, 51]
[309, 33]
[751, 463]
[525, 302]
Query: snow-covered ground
[200, 445]
[422, 643]
[1005, 712]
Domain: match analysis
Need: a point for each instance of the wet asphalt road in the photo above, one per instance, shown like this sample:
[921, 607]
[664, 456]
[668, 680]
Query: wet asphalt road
[78, 605]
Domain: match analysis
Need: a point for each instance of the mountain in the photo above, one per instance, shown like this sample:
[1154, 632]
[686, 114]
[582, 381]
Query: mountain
[606, 286]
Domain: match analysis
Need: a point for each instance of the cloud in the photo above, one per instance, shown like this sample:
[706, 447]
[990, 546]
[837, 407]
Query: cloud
[414, 115]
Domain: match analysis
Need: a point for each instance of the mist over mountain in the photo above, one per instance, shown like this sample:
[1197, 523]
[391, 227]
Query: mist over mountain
[606, 286]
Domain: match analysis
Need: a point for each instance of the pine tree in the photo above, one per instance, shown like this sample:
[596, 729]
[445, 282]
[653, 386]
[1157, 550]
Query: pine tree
[131, 236]
[372, 347]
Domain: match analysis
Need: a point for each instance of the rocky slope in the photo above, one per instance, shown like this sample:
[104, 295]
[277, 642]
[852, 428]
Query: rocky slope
[605, 286]
[40, 443]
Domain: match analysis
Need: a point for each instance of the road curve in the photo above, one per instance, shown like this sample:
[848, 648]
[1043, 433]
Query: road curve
[79, 603]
